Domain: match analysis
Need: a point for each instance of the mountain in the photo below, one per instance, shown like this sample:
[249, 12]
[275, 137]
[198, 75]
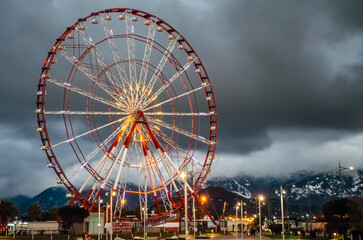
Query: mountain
[51, 197]
[306, 194]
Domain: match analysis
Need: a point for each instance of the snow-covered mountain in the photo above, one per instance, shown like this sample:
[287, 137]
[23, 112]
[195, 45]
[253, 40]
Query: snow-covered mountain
[306, 192]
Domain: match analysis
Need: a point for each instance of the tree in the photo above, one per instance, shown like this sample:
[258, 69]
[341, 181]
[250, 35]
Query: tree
[199, 213]
[276, 228]
[53, 214]
[335, 213]
[34, 212]
[72, 214]
[7, 211]
[343, 214]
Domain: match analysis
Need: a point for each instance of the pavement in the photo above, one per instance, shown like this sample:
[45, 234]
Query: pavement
[233, 237]
[230, 237]
[212, 237]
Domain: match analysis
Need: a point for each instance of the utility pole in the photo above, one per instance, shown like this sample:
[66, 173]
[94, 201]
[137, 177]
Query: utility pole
[340, 178]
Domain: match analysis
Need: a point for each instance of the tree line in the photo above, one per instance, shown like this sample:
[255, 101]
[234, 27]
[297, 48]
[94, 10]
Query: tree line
[343, 215]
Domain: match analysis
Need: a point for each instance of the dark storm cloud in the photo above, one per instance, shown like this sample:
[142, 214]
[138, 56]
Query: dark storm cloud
[272, 75]
[279, 69]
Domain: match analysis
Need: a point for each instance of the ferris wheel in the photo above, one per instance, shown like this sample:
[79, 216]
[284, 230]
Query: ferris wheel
[125, 105]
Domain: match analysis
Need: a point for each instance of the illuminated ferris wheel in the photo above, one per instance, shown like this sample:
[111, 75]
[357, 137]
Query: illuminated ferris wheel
[124, 105]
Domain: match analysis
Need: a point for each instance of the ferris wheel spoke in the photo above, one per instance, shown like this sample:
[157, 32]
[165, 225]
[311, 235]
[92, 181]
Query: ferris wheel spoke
[82, 92]
[174, 98]
[175, 114]
[94, 153]
[91, 176]
[104, 144]
[184, 154]
[104, 175]
[116, 54]
[66, 112]
[160, 66]
[162, 62]
[169, 82]
[171, 171]
[120, 168]
[155, 166]
[177, 171]
[88, 132]
[113, 164]
[98, 56]
[157, 174]
[172, 144]
[131, 47]
[151, 173]
[147, 53]
[181, 131]
[87, 71]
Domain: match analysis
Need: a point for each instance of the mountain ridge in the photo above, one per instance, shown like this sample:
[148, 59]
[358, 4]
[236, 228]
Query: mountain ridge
[306, 193]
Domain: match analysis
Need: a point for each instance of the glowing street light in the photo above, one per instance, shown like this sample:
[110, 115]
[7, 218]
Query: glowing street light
[236, 221]
[260, 198]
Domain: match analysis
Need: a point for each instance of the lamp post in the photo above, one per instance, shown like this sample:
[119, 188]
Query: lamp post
[282, 212]
[99, 219]
[144, 213]
[194, 228]
[14, 230]
[236, 221]
[183, 175]
[242, 219]
[260, 198]
[107, 206]
[113, 193]
[340, 178]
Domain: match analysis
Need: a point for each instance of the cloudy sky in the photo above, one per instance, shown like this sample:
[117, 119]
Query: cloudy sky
[288, 79]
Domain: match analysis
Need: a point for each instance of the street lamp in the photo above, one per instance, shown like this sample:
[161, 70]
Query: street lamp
[99, 218]
[144, 216]
[113, 193]
[282, 212]
[183, 175]
[260, 198]
[340, 177]
[236, 221]
[240, 204]
[242, 219]
[14, 230]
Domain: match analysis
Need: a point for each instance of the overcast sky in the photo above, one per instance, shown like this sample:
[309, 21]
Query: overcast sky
[288, 79]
